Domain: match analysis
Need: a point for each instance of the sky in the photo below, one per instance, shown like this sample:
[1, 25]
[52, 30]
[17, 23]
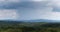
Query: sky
[29, 9]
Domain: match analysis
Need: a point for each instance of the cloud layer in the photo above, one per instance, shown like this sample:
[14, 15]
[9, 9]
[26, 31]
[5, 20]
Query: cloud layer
[8, 14]
[42, 10]
[30, 9]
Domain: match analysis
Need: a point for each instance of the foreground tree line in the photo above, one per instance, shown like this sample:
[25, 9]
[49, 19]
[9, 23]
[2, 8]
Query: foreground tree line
[29, 27]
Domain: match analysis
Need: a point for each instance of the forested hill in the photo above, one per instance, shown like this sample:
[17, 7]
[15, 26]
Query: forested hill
[22, 26]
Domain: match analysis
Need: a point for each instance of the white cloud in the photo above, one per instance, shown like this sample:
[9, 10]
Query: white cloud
[8, 14]
[55, 3]
[51, 16]
[48, 13]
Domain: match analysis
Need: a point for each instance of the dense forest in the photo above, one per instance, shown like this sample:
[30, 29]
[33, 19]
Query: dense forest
[20, 26]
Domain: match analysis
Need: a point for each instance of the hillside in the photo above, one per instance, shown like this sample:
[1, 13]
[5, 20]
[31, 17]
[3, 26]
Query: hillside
[21, 26]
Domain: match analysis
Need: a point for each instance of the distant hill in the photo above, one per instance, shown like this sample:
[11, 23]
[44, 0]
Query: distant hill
[42, 20]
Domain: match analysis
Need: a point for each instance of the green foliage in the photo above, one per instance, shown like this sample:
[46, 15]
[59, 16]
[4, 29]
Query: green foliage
[28, 27]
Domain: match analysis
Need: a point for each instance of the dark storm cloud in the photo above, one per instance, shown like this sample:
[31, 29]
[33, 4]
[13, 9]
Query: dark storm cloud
[24, 4]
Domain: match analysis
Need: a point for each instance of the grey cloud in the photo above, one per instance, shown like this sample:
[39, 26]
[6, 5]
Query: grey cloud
[24, 4]
[56, 9]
